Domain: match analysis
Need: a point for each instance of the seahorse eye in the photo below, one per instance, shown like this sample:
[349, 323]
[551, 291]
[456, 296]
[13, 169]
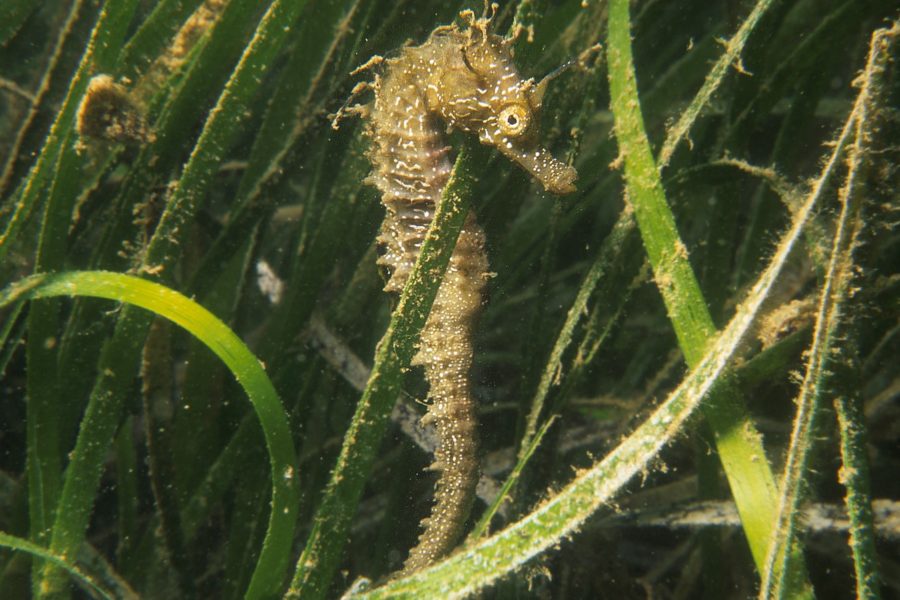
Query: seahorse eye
[514, 120]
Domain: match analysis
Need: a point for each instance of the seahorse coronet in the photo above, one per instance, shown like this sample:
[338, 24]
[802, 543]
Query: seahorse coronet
[461, 78]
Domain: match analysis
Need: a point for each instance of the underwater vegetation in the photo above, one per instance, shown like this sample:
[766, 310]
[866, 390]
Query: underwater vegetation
[684, 370]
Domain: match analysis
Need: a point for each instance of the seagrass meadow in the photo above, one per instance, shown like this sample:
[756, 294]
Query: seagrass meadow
[685, 371]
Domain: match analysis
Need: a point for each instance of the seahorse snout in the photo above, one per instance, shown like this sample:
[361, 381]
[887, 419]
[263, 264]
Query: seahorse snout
[556, 176]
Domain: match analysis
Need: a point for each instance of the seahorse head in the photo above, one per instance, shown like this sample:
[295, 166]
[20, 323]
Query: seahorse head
[474, 86]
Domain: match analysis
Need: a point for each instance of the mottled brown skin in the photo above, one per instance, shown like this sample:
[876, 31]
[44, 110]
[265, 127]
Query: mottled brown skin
[108, 113]
[462, 79]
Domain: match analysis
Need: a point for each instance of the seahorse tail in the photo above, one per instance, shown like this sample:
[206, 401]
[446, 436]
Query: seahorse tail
[446, 353]
[457, 461]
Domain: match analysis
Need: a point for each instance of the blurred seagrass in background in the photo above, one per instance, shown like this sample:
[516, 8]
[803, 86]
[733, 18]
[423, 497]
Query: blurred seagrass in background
[687, 370]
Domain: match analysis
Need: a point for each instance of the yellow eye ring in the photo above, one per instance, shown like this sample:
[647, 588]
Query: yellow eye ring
[514, 119]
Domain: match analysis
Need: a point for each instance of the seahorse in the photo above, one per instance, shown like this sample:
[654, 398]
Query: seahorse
[461, 78]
